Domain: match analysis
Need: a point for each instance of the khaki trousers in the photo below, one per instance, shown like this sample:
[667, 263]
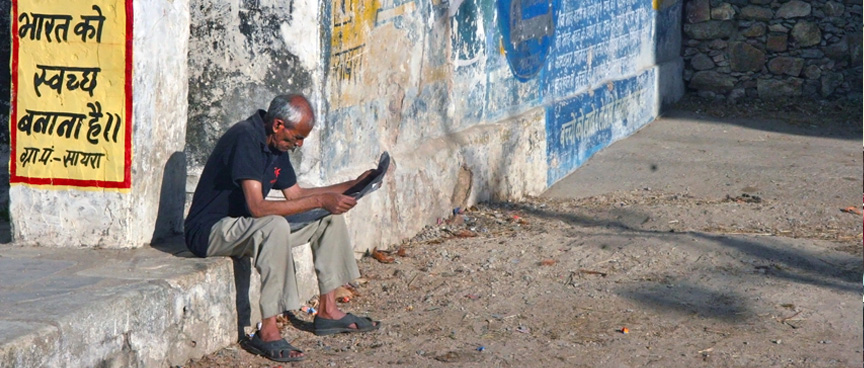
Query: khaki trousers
[268, 240]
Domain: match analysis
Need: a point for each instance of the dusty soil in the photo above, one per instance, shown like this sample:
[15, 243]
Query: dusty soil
[734, 277]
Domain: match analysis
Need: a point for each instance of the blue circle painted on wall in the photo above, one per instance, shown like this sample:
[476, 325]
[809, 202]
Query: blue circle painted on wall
[527, 31]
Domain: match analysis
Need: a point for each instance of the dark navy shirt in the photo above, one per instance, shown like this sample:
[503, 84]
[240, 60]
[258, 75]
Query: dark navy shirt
[242, 153]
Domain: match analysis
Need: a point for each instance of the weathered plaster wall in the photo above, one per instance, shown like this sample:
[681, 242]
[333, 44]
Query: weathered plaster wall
[463, 89]
[241, 54]
[474, 99]
[111, 219]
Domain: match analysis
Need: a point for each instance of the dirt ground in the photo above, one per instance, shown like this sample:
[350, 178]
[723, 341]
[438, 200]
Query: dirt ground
[739, 276]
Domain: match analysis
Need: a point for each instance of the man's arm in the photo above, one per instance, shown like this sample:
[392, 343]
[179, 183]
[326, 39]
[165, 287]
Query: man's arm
[334, 202]
[297, 192]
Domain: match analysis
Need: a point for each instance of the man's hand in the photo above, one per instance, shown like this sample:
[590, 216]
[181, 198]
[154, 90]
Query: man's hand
[337, 203]
[363, 176]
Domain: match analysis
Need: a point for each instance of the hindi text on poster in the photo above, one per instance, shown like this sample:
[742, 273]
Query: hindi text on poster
[71, 121]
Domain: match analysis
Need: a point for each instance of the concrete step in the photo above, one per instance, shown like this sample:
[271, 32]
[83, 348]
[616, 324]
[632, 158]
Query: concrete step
[149, 307]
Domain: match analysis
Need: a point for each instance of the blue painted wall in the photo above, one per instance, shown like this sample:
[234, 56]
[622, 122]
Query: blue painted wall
[595, 69]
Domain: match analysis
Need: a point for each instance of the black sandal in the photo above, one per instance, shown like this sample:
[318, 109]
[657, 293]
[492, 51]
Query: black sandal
[325, 326]
[277, 351]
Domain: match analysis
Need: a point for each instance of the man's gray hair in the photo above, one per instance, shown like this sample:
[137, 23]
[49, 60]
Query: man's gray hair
[290, 109]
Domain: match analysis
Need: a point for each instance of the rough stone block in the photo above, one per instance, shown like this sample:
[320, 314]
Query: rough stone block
[794, 9]
[737, 94]
[723, 12]
[811, 53]
[830, 83]
[698, 11]
[756, 30]
[778, 28]
[701, 62]
[769, 89]
[813, 72]
[837, 51]
[786, 65]
[751, 12]
[744, 57]
[855, 43]
[806, 34]
[811, 89]
[712, 81]
[777, 42]
[718, 44]
[690, 52]
[834, 9]
[710, 30]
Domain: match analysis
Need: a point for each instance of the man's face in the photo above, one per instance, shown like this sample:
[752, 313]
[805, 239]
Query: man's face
[288, 139]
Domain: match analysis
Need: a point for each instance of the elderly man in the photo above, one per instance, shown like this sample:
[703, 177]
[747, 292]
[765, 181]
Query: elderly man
[230, 217]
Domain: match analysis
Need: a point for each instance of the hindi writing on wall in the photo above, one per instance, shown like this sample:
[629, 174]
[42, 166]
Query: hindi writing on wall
[71, 121]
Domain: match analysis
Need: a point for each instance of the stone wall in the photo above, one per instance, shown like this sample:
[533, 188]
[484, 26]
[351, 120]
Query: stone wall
[772, 49]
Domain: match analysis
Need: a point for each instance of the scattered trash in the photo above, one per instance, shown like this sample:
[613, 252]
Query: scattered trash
[464, 233]
[523, 329]
[409, 308]
[625, 330]
[381, 256]
[602, 274]
[481, 348]
[744, 198]
[458, 211]
[359, 281]
[344, 294]
[548, 262]
[308, 310]
[459, 357]
[852, 210]
[778, 341]
[401, 252]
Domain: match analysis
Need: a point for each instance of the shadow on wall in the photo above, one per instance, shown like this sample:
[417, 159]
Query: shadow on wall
[172, 194]
[5, 56]
[668, 25]
[5, 80]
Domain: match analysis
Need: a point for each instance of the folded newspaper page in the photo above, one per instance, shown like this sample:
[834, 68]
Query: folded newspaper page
[368, 185]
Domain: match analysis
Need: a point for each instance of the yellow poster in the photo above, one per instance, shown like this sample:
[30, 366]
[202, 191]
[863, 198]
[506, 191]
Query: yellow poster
[70, 124]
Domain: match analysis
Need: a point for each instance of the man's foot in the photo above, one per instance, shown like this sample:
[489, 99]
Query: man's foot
[348, 323]
[277, 350]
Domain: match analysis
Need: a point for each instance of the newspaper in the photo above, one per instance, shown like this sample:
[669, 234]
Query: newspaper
[368, 185]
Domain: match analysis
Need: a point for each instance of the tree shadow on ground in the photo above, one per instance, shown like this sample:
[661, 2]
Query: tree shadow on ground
[836, 119]
[810, 268]
[688, 299]
[686, 296]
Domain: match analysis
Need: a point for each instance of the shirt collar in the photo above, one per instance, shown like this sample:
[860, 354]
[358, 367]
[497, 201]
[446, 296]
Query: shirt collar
[258, 121]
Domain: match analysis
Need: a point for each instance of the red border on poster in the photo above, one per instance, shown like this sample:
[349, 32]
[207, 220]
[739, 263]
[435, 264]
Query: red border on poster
[127, 165]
